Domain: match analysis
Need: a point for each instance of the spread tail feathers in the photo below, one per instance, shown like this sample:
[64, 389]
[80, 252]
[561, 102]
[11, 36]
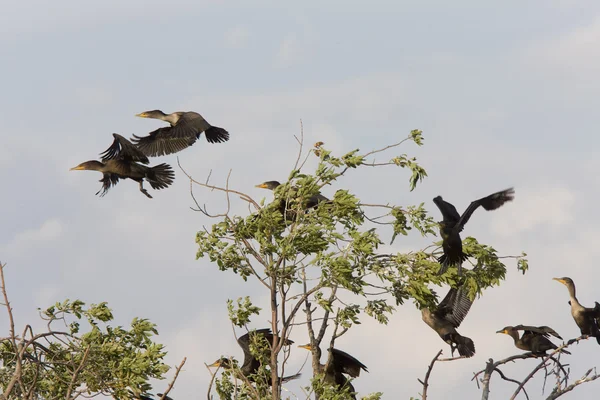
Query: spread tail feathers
[445, 263]
[464, 345]
[214, 134]
[160, 176]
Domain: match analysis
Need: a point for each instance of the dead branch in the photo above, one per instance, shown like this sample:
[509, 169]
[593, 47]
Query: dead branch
[556, 393]
[425, 382]
[164, 395]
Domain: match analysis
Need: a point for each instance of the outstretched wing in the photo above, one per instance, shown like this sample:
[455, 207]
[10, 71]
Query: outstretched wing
[344, 362]
[491, 202]
[542, 330]
[123, 149]
[165, 141]
[455, 306]
[449, 213]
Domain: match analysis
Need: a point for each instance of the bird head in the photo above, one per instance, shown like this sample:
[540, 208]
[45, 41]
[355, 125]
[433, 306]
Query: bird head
[564, 280]
[222, 363]
[271, 185]
[157, 114]
[506, 330]
[92, 165]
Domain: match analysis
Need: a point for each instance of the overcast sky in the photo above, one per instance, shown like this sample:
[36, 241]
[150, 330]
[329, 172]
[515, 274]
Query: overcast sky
[506, 95]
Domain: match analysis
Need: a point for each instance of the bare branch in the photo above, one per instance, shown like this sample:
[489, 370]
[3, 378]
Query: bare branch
[425, 382]
[585, 378]
[164, 395]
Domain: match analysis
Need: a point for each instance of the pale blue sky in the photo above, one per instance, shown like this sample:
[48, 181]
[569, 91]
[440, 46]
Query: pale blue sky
[505, 94]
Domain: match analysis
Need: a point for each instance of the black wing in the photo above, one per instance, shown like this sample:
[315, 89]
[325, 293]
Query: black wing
[244, 340]
[164, 141]
[455, 306]
[347, 364]
[123, 149]
[542, 330]
[449, 213]
[491, 202]
[108, 180]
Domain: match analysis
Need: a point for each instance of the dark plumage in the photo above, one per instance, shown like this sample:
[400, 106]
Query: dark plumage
[447, 317]
[185, 129]
[587, 319]
[251, 364]
[121, 161]
[284, 206]
[534, 339]
[453, 224]
[341, 363]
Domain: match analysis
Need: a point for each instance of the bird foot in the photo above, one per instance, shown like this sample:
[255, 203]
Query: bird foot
[146, 193]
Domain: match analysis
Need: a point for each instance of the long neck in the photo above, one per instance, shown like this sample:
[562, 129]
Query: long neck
[571, 288]
[514, 334]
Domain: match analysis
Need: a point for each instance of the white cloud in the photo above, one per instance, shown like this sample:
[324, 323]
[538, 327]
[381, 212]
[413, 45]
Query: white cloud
[51, 230]
[548, 206]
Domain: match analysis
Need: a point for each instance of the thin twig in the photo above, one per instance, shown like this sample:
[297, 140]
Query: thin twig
[164, 395]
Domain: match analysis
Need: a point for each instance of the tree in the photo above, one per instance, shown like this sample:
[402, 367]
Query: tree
[65, 362]
[323, 258]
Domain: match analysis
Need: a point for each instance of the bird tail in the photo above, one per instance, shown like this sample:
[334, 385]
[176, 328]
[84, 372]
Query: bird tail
[464, 345]
[446, 263]
[214, 134]
[160, 176]
[289, 378]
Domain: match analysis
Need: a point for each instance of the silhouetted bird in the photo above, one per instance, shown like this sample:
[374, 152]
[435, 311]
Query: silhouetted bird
[453, 224]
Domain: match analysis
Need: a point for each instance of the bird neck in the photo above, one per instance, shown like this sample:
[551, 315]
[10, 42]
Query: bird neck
[572, 294]
[515, 335]
[170, 118]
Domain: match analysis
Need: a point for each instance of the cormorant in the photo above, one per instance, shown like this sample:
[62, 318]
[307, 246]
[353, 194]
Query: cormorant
[121, 161]
[251, 364]
[284, 207]
[447, 317]
[341, 363]
[453, 224]
[534, 339]
[587, 319]
[185, 129]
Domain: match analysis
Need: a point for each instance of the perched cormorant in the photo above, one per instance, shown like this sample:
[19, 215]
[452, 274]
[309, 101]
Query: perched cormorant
[534, 338]
[185, 129]
[587, 319]
[121, 161]
[453, 224]
[447, 317]
[251, 364]
[284, 207]
[341, 363]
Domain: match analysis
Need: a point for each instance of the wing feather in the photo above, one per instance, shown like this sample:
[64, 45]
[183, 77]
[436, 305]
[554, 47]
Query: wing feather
[489, 203]
[123, 149]
[455, 306]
